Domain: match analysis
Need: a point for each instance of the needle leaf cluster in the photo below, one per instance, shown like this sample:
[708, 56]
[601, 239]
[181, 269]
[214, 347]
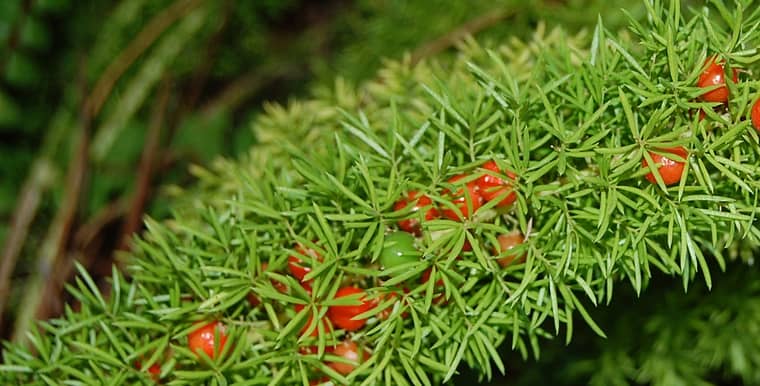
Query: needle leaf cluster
[571, 116]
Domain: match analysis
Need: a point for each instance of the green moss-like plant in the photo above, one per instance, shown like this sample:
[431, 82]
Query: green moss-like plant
[572, 116]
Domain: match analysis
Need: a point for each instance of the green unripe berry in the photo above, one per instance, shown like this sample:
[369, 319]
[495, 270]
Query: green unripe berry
[399, 249]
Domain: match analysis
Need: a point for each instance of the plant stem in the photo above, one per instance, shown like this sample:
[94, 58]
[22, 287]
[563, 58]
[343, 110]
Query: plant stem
[127, 57]
[243, 87]
[471, 27]
[41, 293]
[39, 181]
[147, 167]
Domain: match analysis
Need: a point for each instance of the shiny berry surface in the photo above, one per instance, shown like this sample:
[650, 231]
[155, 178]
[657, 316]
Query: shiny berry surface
[204, 339]
[343, 316]
[492, 187]
[714, 74]
[299, 268]
[398, 249]
[756, 115]
[351, 352]
[670, 170]
[508, 241]
[415, 202]
[460, 198]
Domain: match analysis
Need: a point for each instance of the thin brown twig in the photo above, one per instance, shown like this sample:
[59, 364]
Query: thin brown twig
[31, 192]
[239, 89]
[147, 167]
[39, 180]
[200, 76]
[152, 30]
[471, 27]
[75, 180]
[41, 294]
[95, 225]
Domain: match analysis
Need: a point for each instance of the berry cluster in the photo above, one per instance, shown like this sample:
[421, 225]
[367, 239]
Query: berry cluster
[469, 194]
[713, 78]
[460, 200]
[489, 186]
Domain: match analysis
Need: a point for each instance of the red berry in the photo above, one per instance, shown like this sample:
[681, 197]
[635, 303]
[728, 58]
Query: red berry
[460, 198]
[254, 300]
[756, 115]
[669, 169]
[508, 241]
[310, 323]
[296, 265]
[154, 370]
[418, 201]
[307, 287]
[350, 351]
[702, 114]
[426, 276]
[385, 312]
[204, 337]
[343, 316]
[281, 287]
[714, 75]
[491, 186]
[320, 381]
[306, 350]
